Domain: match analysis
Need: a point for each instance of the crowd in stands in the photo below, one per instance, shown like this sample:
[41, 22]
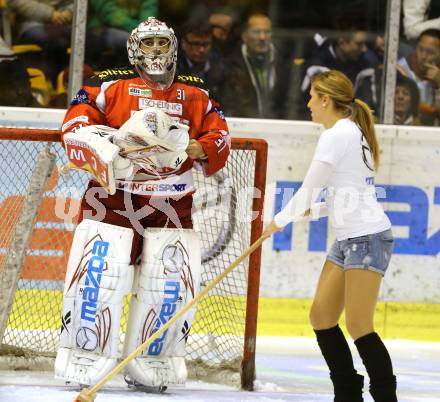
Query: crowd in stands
[236, 56]
[422, 66]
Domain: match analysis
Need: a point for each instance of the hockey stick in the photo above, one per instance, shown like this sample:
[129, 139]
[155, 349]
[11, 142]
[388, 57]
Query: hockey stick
[127, 151]
[89, 394]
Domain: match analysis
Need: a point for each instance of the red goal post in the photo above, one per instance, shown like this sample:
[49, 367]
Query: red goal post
[223, 336]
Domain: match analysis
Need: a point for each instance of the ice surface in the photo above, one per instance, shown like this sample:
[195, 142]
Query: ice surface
[288, 369]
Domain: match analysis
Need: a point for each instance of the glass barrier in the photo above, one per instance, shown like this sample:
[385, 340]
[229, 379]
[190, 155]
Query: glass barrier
[256, 57]
[417, 97]
[34, 51]
[317, 36]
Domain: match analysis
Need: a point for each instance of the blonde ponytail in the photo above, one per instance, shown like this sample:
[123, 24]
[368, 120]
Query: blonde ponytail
[364, 118]
[339, 88]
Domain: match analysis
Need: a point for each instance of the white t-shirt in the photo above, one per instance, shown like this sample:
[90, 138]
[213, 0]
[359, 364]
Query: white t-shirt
[343, 165]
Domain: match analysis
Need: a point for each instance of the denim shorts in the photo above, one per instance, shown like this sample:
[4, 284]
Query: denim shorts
[371, 252]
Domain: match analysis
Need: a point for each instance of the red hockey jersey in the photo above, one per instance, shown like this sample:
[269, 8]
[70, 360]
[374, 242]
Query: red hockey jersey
[110, 98]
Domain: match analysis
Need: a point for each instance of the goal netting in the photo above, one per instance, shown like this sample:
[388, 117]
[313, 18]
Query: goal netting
[228, 217]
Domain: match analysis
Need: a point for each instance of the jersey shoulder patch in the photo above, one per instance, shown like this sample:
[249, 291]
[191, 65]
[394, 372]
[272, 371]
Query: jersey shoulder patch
[111, 74]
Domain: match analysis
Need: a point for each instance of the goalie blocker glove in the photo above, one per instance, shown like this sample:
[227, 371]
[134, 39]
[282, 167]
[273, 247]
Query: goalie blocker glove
[90, 148]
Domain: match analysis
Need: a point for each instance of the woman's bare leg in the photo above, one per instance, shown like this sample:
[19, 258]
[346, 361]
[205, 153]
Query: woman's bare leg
[328, 302]
[361, 292]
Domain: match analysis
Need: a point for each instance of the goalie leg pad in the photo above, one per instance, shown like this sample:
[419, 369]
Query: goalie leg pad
[97, 279]
[168, 279]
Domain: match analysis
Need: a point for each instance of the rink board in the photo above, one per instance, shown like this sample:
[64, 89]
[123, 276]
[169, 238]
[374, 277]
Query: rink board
[276, 316]
[292, 259]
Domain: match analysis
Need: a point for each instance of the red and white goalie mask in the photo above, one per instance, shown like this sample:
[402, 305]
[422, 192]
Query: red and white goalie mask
[152, 49]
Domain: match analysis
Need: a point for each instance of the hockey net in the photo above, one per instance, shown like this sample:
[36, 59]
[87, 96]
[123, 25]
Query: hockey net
[228, 217]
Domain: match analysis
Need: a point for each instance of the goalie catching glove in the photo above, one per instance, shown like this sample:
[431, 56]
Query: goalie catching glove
[154, 141]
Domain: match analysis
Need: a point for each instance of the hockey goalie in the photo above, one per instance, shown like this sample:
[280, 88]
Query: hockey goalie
[139, 132]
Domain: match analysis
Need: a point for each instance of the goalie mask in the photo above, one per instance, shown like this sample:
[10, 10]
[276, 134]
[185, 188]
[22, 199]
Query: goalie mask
[152, 49]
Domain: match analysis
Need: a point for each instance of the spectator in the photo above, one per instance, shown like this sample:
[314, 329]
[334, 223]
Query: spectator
[347, 54]
[110, 24]
[422, 66]
[196, 57]
[376, 51]
[406, 102]
[60, 100]
[15, 85]
[252, 79]
[46, 23]
[415, 18]
[224, 30]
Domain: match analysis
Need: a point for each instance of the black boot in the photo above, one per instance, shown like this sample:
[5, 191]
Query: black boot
[347, 383]
[384, 389]
[377, 361]
[348, 388]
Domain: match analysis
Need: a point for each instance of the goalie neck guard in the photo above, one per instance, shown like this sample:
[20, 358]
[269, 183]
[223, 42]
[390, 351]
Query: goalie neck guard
[152, 49]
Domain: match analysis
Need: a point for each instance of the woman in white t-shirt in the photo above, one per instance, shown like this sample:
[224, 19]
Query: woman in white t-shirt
[343, 165]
